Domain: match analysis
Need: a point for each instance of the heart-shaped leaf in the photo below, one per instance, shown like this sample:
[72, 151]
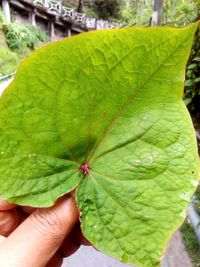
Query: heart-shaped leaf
[102, 112]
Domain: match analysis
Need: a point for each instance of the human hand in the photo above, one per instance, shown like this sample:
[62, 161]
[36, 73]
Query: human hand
[40, 239]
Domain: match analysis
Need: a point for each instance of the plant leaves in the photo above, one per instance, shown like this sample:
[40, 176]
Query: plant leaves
[192, 66]
[197, 80]
[188, 83]
[112, 100]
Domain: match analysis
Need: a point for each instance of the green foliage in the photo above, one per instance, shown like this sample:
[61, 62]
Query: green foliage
[191, 243]
[90, 12]
[179, 12]
[33, 36]
[1, 20]
[8, 61]
[70, 3]
[176, 12]
[107, 9]
[192, 83]
[102, 112]
[137, 12]
[196, 200]
[20, 38]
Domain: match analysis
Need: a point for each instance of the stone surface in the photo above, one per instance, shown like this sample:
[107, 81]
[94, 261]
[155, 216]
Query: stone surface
[175, 256]
[89, 257]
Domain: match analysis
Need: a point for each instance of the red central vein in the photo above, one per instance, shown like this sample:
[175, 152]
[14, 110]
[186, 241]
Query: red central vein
[111, 124]
[130, 98]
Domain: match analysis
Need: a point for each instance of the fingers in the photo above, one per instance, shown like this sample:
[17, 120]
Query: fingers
[27, 209]
[73, 241]
[11, 216]
[38, 238]
[9, 220]
[56, 261]
[2, 238]
[4, 205]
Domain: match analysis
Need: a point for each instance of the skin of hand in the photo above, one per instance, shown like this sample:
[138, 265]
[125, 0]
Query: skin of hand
[31, 237]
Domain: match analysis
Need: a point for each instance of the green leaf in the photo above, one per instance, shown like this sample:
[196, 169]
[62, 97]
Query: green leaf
[196, 59]
[102, 112]
[192, 66]
[189, 83]
[187, 101]
[190, 73]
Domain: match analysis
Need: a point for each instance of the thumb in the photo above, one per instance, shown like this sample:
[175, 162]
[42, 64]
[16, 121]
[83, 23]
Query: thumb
[37, 239]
